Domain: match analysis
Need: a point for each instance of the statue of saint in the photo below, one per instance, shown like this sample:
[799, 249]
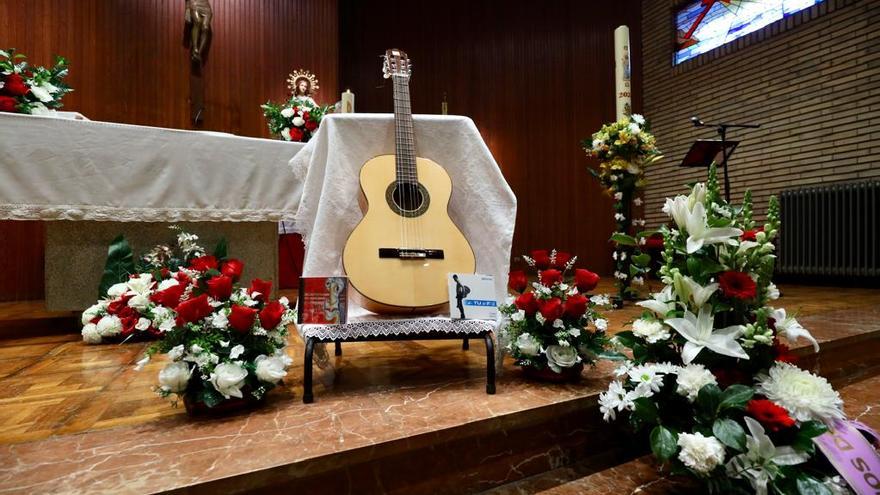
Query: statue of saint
[198, 15]
[302, 84]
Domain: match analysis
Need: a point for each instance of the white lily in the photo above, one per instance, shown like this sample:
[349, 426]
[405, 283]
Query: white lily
[789, 328]
[699, 333]
[661, 302]
[698, 195]
[688, 289]
[678, 209]
[760, 463]
[699, 232]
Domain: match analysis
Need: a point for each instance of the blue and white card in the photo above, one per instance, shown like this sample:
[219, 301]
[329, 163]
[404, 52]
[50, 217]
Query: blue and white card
[472, 297]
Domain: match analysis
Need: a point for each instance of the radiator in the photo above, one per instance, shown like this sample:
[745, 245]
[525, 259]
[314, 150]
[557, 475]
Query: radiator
[831, 230]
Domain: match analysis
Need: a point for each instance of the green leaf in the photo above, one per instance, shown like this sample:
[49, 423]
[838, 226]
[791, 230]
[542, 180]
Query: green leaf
[623, 239]
[612, 356]
[626, 338]
[642, 259]
[210, 396]
[730, 433]
[736, 397]
[807, 485]
[220, 252]
[808, 430]
[119, 265]
[646, 410]
[708, 400]
[664, 442]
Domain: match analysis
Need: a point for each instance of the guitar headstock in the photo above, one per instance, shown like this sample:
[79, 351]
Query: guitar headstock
[396, 63]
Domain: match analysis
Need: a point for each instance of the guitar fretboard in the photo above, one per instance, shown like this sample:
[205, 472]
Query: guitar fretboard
[405, 145]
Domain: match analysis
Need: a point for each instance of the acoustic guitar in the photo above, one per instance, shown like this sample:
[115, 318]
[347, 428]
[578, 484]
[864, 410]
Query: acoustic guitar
[400, 254]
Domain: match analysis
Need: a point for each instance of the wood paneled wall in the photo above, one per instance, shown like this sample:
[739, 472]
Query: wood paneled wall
[536, 78]
[129, 64]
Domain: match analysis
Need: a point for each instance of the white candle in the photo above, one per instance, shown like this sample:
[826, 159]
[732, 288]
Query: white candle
[623, 90]
[347, 101]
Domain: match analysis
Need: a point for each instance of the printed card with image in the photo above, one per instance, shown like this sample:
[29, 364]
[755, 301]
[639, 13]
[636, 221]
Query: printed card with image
[472, 297]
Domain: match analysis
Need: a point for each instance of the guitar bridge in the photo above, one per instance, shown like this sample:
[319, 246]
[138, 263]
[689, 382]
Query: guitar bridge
[411, 254]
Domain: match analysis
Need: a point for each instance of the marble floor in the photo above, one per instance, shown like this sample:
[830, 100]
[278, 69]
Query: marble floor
[79, 418]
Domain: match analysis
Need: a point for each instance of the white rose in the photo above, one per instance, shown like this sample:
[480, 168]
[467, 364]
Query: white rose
[702, 454]
[90, 334]
[236, 351]
[139, 302]
[176, 352]
[528, 345]
[270, 369]
[518, 316]
[220, 320]
[287, 113]
[175, 376]
[559, 357]
[109, 326]
[285, 133]
[651, 330]
[167, 325]
[90, 314]
[168, 282]
[692, 378]
[117, 290]
[772, 291]
[299, 121]
[41, 93]
[228, 378]
[601, 324]
[143, 324]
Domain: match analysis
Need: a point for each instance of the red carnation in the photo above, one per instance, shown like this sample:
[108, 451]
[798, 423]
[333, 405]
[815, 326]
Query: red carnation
[271, 315]
[7, 104]
[527, 303]
[263, 287]
[576, 306]
[14, 85]
[193, 310]
[550, 277]
[296, 134]
[517, 281]
[203, 263]
[773, 417]
[551, 309]
[585, 280]
[232, 268]
[241, 318]
[311, 125]
[737, 285]
[115, 307]
[169, 297]
[751, 235]
[561, 259]
[220, 287]
[541, 257]
[183, 278]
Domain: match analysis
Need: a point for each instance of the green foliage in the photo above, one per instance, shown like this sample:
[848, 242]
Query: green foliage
[119, 265]
[623, 239]
[664, 442]
[807, 431]
[736, 397]
[730, 433]
[220, 251]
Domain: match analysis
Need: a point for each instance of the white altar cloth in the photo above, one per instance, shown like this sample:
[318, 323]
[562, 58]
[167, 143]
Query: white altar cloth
[62, 169]
[482, 204]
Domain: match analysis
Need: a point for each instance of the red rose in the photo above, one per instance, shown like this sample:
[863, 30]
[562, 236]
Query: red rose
[773, 417]
[585, 280]
[241, 318]
[576, 306]
[542, 258]
[296, 134]
[232, 268]
[118, 305]
[737, 285]
[751, 235]
[307, 116]
[517, 281]
[169, 297]
[193, 310]
[15, 85]
[7, 104]
[263, 287]
[562, 258]
[654, 242]
[550, 277]
[551, 309]
[527, 303]
[220, 287]
[203, 263]
[270, 316]
[183, 278]
[311, 125]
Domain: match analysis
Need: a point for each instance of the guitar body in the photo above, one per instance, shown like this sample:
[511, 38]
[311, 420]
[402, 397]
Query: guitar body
[403, 284]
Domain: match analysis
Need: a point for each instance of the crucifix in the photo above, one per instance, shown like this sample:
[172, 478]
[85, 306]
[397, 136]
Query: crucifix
[198, 17]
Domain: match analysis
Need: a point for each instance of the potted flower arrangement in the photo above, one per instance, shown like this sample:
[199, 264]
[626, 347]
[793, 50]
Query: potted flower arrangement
[296, 120]
[31, 89]
[710, 381]
[548, 329]
[625, 149]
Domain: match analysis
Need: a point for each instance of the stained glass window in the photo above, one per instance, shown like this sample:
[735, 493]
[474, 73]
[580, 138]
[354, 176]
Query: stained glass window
[705, 24]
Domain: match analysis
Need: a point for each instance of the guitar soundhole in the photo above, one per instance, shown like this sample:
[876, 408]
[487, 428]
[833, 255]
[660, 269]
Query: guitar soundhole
[407, 199]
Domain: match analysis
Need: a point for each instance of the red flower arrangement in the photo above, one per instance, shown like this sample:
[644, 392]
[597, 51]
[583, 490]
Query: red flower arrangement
[771, 416]
[737, 285]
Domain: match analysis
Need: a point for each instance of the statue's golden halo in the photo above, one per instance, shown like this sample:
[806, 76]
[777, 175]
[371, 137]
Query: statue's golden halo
[299, 74]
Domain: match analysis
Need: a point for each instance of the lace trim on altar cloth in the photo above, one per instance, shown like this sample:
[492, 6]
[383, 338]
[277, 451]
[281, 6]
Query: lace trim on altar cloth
[390, 328]
[135, 214]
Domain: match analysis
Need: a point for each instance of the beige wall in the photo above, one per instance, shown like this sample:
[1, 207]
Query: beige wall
[813, 80]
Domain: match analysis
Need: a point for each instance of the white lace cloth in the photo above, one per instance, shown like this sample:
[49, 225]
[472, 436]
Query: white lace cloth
[482, 204]
[371, 326]
[63, 169]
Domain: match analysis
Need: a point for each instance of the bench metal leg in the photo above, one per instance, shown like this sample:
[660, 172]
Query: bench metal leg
[490, 364]
[308, 398]
[338, 348]
[466, 344]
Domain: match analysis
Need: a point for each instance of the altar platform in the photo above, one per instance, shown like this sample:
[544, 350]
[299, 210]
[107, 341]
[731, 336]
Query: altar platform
[389, 417]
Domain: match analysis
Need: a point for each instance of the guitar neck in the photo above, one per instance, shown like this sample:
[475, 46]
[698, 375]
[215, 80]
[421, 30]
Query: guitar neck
[404, 138]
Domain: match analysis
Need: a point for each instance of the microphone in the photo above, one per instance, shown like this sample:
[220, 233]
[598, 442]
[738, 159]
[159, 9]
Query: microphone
[696, 121]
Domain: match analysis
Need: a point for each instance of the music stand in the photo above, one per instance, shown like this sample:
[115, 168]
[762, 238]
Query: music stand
[705, 151]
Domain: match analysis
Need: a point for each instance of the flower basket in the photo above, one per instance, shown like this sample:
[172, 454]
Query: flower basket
[567, 375]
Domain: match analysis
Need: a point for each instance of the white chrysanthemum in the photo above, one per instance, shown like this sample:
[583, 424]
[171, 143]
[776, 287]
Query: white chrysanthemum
[652, 331]
[616, 398]
[647, 378]
[109, 326]
[692, 378]
[804, 395]
[702, 454]
[637, 118]
[90, 334]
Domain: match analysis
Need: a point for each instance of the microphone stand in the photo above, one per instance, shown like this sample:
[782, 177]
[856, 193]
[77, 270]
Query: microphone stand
[721, 128]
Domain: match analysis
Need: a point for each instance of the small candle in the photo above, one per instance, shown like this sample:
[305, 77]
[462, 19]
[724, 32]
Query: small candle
[347, 101]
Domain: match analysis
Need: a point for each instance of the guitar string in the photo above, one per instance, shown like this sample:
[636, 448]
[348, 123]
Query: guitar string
[399, 186]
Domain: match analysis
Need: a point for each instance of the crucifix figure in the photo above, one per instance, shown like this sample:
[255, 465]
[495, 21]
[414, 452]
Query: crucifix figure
[198, 15]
